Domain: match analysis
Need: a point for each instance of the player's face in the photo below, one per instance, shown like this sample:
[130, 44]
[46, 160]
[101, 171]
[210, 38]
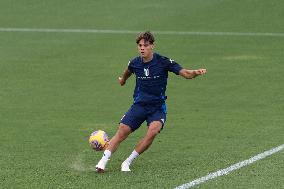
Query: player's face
[145, 48]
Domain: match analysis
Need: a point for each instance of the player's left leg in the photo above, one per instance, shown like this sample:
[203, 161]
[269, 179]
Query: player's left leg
[153, 130]
[155, 120]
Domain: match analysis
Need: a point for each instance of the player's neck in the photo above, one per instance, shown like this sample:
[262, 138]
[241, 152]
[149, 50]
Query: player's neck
[148, 59]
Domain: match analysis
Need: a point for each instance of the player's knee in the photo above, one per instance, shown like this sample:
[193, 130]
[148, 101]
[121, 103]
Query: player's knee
[155, 128]
[123, 132]
[153, 131]
[150, 136]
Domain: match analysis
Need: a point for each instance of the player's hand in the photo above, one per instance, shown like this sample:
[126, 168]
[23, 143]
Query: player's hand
[200, 71]
[121, 81]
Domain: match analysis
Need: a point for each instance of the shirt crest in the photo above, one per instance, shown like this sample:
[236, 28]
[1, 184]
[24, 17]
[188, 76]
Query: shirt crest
[146, 72]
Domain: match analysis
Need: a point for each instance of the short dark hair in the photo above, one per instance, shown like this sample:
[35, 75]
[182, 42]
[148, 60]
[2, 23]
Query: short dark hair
[147, 36]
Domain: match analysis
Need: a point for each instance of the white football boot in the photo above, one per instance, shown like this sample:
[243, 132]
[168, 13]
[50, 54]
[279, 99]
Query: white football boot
[100, 167]
[125, 166]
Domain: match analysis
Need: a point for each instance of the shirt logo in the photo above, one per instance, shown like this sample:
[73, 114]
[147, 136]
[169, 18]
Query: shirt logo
[171, 60]
[146, 71]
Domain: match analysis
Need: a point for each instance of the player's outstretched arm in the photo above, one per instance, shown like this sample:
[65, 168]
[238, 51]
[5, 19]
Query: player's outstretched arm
[190, 74]
[126, 74]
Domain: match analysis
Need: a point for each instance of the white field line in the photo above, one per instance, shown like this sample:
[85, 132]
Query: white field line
[231, 168]
[49, 30]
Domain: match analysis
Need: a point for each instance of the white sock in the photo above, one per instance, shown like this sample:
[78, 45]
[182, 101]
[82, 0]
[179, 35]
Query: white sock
[132, 156]
[106, 155]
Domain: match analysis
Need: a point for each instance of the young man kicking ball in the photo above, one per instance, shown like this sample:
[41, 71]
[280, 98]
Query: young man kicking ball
[151, 71]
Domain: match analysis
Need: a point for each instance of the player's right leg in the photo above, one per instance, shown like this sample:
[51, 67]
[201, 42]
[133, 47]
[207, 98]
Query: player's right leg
[131, 121]
[121, 134]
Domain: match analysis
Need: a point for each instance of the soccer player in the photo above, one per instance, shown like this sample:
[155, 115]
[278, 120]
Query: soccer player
[151, 71]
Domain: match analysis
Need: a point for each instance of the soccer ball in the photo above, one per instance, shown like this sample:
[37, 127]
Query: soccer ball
[99, 140]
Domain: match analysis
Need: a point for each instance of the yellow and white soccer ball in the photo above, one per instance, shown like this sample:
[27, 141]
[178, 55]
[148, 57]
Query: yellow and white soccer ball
[99, 140]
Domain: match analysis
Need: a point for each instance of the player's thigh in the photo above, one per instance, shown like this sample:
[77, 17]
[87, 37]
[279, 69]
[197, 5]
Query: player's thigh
[154, 128]
[158, 117]
[123, 131]
[134, 117]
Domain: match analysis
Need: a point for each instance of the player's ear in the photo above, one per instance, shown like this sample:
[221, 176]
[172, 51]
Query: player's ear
[152, 46]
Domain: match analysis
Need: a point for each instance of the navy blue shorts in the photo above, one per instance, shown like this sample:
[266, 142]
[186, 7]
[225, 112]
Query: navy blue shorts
[138, 113]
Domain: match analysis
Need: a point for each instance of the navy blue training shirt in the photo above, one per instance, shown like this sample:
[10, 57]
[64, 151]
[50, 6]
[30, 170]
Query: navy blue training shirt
[151, 78]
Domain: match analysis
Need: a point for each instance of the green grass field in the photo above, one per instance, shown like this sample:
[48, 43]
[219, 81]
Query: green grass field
[56, 88]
